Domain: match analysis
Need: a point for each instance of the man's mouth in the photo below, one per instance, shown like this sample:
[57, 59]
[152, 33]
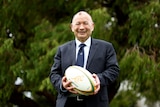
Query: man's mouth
[82, 33]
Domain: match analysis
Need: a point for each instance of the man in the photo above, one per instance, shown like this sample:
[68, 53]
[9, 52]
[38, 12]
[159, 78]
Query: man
[99, 59]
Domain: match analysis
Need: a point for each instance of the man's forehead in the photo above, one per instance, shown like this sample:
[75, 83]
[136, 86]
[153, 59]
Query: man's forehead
[82, 14]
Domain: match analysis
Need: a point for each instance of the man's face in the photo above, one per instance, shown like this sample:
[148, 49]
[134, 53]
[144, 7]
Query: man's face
[82, 26]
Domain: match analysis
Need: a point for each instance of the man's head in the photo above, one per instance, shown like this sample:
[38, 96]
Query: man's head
[82, 26]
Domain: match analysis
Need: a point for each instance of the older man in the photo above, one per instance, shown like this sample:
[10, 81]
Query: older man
[99, 58]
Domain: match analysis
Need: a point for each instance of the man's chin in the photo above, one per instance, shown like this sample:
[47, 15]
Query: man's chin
[82, 38]
[82, 35]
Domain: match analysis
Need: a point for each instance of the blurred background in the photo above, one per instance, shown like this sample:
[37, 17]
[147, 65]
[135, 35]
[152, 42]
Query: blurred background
[31, 31]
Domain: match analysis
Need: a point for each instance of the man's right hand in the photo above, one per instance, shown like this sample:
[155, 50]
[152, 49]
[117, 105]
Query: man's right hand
[67, 85]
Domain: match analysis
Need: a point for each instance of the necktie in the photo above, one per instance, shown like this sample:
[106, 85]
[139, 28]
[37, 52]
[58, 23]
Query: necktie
[80, 57]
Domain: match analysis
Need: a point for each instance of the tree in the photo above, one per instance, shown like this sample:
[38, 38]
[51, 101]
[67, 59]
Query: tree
[138, 36]
[31, 31]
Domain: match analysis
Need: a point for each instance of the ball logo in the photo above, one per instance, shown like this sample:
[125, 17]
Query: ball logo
[78, 78]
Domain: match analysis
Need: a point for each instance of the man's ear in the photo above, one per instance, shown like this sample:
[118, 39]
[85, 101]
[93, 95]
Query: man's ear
[92, 26]
[71, 27]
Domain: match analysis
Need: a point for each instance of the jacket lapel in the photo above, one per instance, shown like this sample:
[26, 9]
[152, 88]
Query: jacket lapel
[72, 52]
[92, 52]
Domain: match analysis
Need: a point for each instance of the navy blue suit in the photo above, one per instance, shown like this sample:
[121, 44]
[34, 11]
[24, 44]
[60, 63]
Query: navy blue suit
[101, 61]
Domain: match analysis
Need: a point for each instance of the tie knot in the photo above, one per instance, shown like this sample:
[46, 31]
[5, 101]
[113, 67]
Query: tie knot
[82, 45]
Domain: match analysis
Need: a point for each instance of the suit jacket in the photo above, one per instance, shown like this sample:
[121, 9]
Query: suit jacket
[101, 60]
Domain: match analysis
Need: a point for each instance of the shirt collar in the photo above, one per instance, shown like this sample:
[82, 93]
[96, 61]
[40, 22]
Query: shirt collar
[87, 42]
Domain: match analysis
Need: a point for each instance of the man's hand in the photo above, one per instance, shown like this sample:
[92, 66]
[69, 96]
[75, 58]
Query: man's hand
[67, 85]
[97, 85]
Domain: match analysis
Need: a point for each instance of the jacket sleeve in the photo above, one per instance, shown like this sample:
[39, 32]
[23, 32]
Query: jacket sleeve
[111, 72]
[56, 73]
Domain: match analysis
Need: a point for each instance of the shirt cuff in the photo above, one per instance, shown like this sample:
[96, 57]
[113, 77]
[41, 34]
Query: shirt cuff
[62, 89]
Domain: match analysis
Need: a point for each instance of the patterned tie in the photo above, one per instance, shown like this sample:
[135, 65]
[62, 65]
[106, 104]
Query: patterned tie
[80, 57]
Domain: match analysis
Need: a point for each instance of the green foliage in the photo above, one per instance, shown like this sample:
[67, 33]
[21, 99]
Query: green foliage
[41, 50]
[100, 24]
[31, 31]
[125, 99]
[8, 57]
[143, 71]
[143, 23]
[62, 33]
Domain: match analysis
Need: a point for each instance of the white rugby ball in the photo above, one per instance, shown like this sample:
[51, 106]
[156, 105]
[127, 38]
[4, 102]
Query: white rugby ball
[81, 79]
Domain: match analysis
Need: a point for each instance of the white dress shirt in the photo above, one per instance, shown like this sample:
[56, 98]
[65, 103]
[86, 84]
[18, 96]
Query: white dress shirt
[86, 49]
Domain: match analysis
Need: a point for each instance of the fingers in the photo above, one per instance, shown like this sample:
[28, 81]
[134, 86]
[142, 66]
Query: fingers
[67, 85]
[97, 85]
[73, 91]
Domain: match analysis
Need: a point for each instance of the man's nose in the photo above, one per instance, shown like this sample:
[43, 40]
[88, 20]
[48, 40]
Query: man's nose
[81, 26]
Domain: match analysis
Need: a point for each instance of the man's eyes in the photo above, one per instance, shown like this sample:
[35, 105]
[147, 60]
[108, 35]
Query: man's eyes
[85, 23]
[77, 23]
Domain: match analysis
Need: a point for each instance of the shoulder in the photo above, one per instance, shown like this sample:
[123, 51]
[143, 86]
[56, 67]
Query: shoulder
[103, 45]
[67, 44]
[101, 42]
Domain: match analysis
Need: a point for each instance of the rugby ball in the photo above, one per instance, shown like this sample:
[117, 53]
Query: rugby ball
[81, 79]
